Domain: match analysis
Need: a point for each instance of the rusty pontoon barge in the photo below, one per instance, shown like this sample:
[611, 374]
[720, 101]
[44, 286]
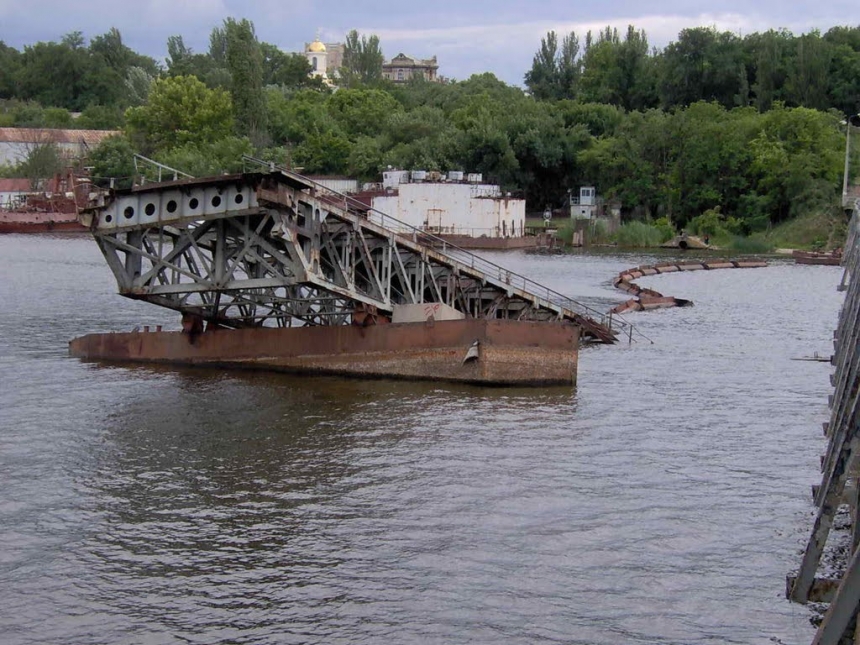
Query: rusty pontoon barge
[271, 270]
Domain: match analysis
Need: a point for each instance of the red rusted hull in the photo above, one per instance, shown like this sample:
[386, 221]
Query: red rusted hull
[649, 299]
[834, 258]
[494, 243]
[33, 222]
[509, 352]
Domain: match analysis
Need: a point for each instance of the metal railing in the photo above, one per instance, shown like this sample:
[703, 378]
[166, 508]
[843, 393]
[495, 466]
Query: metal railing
[159, 167]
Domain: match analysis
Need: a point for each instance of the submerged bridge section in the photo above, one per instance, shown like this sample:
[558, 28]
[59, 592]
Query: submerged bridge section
[275, 249]
[830, 570]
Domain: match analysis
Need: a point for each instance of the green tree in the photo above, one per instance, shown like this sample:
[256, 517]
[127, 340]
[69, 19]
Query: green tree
[112, 162]
[808, 79]
[365, 158]
[210, 158]
[325, 153]
[555, 72]
[293, 119]
[601, 74]
[362, 60]
[844, 68]
[702, 65]
[219, 42]
[600, 119]
[287, 70]
[101, 117]
[57, 118]
[797, 158]
[10, 64]
[569, 66]
[421, 138]
[66, 75]
[542, 80]
[181, 110]
[637, 88]
[182, 61]
[138, 83]
[769, 53]
[118, 56]
[362, 111]
[245, 63]
[42, 162]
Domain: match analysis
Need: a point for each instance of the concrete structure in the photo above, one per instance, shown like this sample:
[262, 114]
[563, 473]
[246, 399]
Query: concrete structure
[586, 204]
[346, 185]
[16, 144]
[464, 208]
[334, 58]
[402, 68]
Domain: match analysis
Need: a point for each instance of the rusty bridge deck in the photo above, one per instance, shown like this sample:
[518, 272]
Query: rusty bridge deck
[276, 249]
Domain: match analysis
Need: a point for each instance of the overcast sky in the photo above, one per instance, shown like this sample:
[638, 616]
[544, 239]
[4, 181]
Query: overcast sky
[498, 36]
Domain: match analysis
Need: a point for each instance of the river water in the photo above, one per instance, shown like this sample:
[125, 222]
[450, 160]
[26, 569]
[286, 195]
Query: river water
[662, 501]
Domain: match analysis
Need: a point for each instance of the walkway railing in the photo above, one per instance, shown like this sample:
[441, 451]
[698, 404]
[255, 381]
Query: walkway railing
[614, 323]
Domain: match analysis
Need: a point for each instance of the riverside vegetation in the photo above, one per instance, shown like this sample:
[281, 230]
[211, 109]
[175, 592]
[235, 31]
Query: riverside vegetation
[738, 138]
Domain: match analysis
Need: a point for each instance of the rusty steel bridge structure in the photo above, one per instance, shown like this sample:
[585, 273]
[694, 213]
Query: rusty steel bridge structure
[829, 572]
[275, 249]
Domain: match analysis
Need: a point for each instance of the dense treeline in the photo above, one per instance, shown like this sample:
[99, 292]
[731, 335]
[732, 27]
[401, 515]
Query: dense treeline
[703, 64]
[746, 131]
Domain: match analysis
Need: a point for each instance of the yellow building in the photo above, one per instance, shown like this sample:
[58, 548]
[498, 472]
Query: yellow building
[317, 56]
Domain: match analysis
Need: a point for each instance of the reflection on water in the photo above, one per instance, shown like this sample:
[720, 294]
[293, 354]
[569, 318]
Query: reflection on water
[664, 500]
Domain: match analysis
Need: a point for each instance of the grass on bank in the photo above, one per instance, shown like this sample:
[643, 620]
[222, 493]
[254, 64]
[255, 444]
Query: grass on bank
[820, 231]
[824, 228]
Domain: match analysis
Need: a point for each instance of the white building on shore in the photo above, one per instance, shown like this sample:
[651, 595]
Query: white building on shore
[449, 205]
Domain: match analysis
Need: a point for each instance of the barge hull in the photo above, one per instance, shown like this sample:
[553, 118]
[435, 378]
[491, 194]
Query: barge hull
[27, 222]
[508, 353]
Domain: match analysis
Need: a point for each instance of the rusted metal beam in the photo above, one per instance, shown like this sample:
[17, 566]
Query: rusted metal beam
[232, 248]
[838, 465]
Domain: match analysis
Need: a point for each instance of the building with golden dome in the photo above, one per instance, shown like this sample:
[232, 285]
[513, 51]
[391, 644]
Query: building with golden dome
[317, 56]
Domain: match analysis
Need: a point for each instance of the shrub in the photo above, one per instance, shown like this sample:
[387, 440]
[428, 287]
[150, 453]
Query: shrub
[750, 245]
[639, 234]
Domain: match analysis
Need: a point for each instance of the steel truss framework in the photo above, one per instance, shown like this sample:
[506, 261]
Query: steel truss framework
[840, 464]
[273, 249]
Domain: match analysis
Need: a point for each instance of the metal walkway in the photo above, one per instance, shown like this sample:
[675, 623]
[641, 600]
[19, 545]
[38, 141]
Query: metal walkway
[277, 249]
[839, 491]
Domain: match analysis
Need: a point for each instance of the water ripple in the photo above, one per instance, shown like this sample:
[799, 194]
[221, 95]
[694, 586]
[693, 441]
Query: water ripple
[663, 501]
